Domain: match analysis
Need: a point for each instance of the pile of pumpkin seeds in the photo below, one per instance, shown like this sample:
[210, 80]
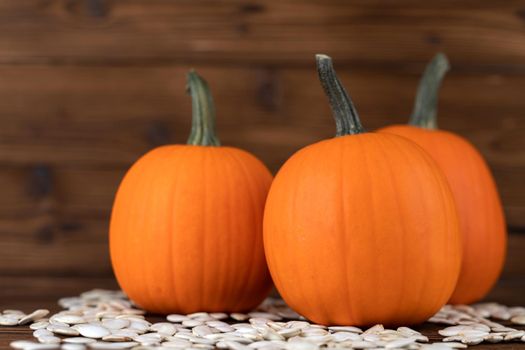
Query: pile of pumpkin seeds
[101, 319]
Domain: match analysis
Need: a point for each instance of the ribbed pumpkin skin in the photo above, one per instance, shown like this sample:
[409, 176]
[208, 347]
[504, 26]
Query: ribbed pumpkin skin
[480, 211]
[186, 230]
[362, 229]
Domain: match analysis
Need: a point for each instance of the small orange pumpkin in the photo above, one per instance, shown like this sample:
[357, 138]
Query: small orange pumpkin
[362, 228]
[479, 207]
[186, 226]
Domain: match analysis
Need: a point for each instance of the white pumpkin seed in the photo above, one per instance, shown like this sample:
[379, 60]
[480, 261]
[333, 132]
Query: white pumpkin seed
[300, 344]
[239, 317]
[518, 319]
[117, 338]
[494, 338]
[363, 345]
[62, 330]
[28, 345]
[345, 329]
[71, 346]
[115, 323]
[49, 339]
[165, 328]
[400, 343]
[178, 343]
[92, 330]
[78, 340]
[514, 335]
[192, 323]
[375, 329]
[6, 320]
[472, 341]
[42, 332]
[109, 346]
[456, 345]
[20, 344]
[13, 312]
[38, 325]
[34, 316]
[176, 318]
[69, 319]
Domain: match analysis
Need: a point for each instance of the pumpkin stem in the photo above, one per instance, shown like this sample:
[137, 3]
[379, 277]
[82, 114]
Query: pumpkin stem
[425, 108]
[346, 118]
[203, 112]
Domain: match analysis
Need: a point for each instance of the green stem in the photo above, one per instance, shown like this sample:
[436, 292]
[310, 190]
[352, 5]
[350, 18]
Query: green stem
[425, 108]
[346, 118]
[203, 112]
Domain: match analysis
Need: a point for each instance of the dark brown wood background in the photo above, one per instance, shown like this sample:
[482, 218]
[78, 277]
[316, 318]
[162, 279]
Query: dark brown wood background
[86, 87]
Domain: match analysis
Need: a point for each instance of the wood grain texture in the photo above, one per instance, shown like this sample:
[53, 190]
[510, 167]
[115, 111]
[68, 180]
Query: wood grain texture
[472, 32]
[87, 87]
[106, 117]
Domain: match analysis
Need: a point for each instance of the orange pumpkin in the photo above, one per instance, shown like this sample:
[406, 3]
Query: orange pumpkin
[362, 228]
[480, 211]
[186, 226]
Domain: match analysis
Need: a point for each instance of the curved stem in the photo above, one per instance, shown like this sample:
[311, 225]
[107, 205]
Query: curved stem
[425, 108]
[203, 112]
[346, 118]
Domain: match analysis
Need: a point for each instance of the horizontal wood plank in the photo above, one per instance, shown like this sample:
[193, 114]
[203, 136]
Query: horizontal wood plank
[50, 245]
[476, 34]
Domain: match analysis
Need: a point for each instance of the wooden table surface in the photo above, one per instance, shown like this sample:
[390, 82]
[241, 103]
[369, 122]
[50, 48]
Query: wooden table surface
[29, 293]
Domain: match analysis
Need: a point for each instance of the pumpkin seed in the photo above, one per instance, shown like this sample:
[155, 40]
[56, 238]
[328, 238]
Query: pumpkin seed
[239, 317]
[108, 346]
[219, 315]
[472, 340]
[6, 320]
[34, 316]
[92, 330]
[400, 343]
[69, 319]
[514, 335]
[29, 345]
[178, 343]
[42, 332]
[49, 339]
[115, 323]
[78, 340]
[39, 325]
[518, 319]
[13, 312]
[62, 330]
[176, 318]
[71, 346]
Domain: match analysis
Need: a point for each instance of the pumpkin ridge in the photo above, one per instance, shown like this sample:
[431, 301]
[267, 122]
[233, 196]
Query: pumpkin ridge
[167, 169]
[227, 264]
[249, 280]
[343, 164]
[388, 164]
[372, 214]
[173, 191]
[241, 165]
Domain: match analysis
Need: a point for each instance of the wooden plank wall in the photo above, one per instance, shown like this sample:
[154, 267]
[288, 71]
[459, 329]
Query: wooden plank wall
[86, 87]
